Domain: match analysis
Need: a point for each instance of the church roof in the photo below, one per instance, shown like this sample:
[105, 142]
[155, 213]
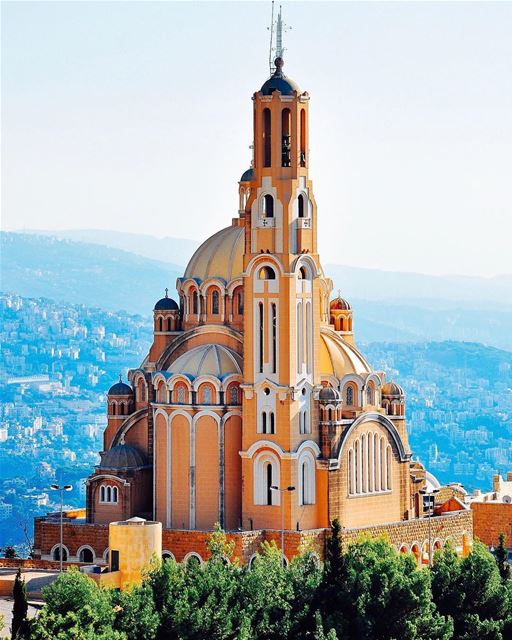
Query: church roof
[279, 82]
[120, 389]
[247, 175]
[208, 359]
[166, 304]
[338, 358]
[392, 389]
[123, 456]
[221, 256]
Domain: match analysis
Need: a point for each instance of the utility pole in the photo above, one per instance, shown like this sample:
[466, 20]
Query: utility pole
[56, 487]
[282, 492]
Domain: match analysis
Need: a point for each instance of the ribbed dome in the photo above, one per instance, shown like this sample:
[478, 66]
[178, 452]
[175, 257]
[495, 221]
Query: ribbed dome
[221, 256]
[120, 389]
[341, 304]
[328, 394]
[208, 359]
[339, 358]
[123, 456]
[392, 389]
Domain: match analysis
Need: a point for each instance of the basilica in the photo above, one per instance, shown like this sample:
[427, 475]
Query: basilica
[254, 408]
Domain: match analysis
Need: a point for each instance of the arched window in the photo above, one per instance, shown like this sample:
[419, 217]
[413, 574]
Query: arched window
[207, 395]
[102, 493]
[273, 309]
[307, 479]
[272, 423]
[215, 303]
[264, 478]
[264, 422]
[86, 555]
[268, 206]
[109, 494]
[388, 468]
[233, 394]
[357, 465]
[349, 396]
[113, 410]
[301, 206]
[56, 553]
[269, 483]
[160, 324]
[285, 138]
[195, 303]
[114, 494]
[369, 394]
[169, 325]
[302, 138]
[267, 138]
[300, 338]
[240, 302]
[181, 394]
[260, 336]
[350, 471]
[266, 273]
[309, 337]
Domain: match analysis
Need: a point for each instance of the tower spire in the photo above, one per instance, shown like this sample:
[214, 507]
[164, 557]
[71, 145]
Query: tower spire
[277, 27]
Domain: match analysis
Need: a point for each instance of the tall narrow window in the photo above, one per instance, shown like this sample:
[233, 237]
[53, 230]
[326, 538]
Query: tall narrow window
[264, 422]
[260, 331]
[240, 302]
[269, 484]
[109, 494]
[350, 471]
[102, 494]
[309, 338]
[300, 338]
[114, 560]
[302, 138]
[388, 467]
[357, 484]
[215, 303]
[233, 394]
[195, 305]
[181, 395]
[301, 206]
[272, 423]
[286, 146]
[369, 394]
[160, 324]
[304, 496]
[207, 395]
[383, 472]
[268, 206]
[267, 138]
[350, 396]
[274, 337]
[114, 494]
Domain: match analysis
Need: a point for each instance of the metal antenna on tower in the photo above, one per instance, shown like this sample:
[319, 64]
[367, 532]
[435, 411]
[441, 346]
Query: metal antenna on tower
[278, 26]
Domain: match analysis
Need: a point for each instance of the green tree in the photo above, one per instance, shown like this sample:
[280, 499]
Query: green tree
[76, 609]
[471, 592]
[10, 552]
[501, 555]
[19, 607]
[136, 615]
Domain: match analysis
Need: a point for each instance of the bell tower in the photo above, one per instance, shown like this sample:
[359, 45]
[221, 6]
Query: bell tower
[285, 291]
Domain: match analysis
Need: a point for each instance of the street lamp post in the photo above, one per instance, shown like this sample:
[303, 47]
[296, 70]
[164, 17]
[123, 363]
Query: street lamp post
[428, 496]
[56, 487]
[282, 491]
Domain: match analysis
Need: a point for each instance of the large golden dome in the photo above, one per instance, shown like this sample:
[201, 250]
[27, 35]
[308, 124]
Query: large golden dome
[338, 358]
[221, 256]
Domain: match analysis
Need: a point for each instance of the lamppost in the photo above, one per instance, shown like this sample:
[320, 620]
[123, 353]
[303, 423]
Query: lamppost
[428, 499]
[56, 487]
[282, 491]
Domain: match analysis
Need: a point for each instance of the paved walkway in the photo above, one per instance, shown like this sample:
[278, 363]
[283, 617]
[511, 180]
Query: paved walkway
[6, 612]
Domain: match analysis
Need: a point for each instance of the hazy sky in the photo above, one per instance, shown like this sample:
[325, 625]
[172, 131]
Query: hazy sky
[137, 116]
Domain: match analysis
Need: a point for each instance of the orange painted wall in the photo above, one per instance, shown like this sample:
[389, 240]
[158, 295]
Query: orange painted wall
[161, 463]
[207, 473]
[233, 472]
[180, 463]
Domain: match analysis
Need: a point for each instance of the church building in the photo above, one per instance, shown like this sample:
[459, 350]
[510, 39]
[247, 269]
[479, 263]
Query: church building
[254, 405]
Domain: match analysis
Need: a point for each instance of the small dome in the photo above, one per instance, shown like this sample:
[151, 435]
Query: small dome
[329, 394]
[340, 304]
[248, 175]
[392, 389]
[279, 82]
[120, 389]
[123, 456]
[208, 359]
[221, 256]
[166, 304]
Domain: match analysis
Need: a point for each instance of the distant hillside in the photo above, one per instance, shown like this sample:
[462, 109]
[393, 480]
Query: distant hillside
[75, 272]
[354, 282]
[174, 250]
[96, 275]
